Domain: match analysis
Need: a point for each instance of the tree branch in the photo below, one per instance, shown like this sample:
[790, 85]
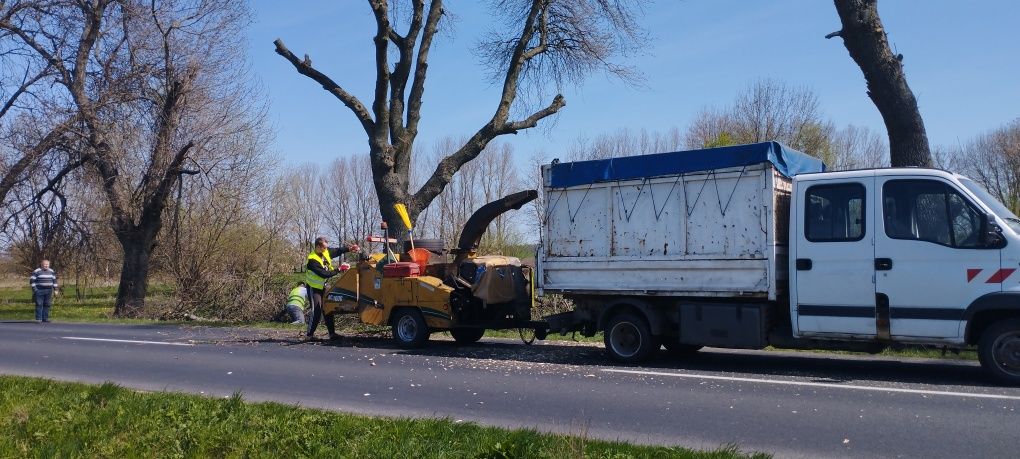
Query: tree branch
[421, 68]
[398, 81]
[305, 68]
[382, 72]
[532, 121]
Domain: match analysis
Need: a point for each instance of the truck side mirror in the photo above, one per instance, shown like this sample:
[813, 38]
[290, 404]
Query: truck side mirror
[992, 237]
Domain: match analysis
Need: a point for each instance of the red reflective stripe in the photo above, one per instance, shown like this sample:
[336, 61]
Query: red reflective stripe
[972, 273]
[1000, 276]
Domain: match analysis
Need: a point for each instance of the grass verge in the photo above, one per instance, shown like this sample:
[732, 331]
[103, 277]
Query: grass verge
[42, 418]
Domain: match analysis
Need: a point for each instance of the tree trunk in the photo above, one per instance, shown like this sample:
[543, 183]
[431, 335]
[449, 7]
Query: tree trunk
[866, 40]
[134, 275]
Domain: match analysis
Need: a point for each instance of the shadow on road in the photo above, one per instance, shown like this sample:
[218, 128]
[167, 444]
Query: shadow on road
[827, 368]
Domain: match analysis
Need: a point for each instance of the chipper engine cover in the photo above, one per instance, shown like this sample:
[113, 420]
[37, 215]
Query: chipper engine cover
[495, 279]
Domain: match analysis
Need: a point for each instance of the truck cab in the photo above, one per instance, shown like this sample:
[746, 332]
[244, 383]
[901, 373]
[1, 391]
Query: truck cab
[906, 255]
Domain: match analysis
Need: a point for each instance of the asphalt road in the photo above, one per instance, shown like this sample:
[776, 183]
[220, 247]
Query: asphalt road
[788, 404]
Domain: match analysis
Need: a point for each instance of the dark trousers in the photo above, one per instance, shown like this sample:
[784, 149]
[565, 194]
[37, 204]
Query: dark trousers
[43, 298]
[315, 299]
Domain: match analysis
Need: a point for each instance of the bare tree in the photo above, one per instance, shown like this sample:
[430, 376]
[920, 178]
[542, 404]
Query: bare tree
[770, 110]
[854, 147]
[32, 124]
[151, 85]
[624, 142]
[865, 38]
[993, 159]
[767, 110]
[543, 41]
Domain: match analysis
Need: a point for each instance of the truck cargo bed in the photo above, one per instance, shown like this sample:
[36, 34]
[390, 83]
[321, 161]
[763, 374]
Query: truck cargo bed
[715, 233]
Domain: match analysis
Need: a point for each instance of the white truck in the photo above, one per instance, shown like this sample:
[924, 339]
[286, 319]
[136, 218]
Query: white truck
[755, 245]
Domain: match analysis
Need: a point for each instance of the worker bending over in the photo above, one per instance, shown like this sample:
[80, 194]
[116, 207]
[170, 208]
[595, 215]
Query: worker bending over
[318, 269]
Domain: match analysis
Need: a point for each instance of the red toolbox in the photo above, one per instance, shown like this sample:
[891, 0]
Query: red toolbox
[401, 269]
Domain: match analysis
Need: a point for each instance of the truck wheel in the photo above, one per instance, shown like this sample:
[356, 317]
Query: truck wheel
[629, 339]
[467, 335]
[999, 351]
[679, 349]
[409, 328]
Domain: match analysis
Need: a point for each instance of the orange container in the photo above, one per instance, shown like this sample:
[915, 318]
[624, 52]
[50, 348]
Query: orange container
[420, 257]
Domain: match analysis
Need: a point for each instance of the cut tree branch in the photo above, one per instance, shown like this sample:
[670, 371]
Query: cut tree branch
[305, 68]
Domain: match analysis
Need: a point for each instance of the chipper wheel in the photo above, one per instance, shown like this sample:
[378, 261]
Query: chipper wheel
[467, 335]
[409, 328]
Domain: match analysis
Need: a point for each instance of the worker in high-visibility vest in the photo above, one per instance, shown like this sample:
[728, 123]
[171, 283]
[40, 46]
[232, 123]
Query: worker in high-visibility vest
[297, 300]
[318, 269]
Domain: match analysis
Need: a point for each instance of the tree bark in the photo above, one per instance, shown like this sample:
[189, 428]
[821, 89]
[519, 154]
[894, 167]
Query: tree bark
[866, 40]
[134, 273]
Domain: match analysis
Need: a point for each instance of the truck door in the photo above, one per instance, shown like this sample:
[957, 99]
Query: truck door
[834, 266]
[930, 259]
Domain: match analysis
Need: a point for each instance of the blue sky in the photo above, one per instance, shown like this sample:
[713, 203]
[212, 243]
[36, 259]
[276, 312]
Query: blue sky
[960, 58]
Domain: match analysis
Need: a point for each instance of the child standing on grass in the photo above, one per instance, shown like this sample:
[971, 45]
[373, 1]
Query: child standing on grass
[44, 283]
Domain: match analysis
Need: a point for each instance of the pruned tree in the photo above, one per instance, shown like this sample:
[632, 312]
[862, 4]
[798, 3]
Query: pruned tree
[542, 42]
[865, 38]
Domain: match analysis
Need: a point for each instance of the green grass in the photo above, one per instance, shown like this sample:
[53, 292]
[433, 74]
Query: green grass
[42, 418]
[95, 306]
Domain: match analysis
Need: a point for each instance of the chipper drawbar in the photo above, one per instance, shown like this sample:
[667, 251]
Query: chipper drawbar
[416, 294]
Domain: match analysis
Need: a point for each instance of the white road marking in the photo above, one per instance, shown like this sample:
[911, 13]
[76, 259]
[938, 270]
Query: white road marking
[814, 384]
[131, 341]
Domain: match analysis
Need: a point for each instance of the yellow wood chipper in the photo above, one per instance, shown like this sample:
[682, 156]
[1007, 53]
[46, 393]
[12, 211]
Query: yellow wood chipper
[421, 290]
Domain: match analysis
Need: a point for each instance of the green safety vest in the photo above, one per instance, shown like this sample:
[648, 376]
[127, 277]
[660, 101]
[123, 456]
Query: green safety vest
[313, 280]
[297, 298]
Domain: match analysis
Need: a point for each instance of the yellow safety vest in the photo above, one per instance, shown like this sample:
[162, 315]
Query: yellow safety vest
[297, 297]
[313, 280]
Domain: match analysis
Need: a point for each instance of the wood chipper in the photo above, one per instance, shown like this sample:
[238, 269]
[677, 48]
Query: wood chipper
[420, 290]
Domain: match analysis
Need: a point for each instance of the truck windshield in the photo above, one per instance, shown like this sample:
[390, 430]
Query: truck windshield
[997, 207]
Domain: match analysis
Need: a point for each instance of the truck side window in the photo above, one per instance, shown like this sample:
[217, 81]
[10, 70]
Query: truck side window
[835, 213]
[931, 211]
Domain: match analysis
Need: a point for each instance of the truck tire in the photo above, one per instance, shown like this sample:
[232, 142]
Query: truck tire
[629, 339]
[467, 335]
[999, 351]
[409, 328]
[680, 350]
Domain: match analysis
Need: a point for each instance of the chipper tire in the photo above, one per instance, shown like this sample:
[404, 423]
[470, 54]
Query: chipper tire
[467, 335]
[629, 339]
[999, 352]
[409, 328]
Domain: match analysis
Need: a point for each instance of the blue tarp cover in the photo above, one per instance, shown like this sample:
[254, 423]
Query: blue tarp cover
[787, 161]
